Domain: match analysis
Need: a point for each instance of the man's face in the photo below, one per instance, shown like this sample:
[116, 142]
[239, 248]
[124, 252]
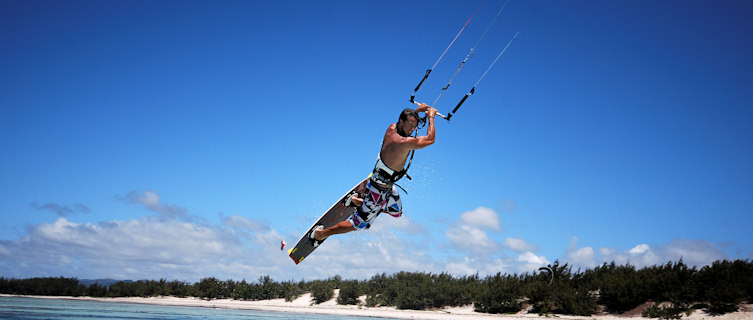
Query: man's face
[407, 126]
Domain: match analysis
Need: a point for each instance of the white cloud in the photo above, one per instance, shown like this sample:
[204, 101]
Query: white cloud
[639, 249]
[470, 233]
[482, 218]
[488, 265]
[464, 266]
[519, 245]
[483, 265]
[170, 245]
[484, 255]
[692, 252]
[530, 261]
[151, 247]
[583, 257]
[471, 239]
[362, 254]
[640, 255]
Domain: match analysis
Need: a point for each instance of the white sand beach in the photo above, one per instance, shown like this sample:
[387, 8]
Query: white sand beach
[304, 304]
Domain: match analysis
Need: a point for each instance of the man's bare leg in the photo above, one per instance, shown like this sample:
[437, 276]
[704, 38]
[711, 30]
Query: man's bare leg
[339, 228]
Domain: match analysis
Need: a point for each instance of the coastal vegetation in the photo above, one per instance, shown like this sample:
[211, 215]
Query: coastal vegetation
[672, 289]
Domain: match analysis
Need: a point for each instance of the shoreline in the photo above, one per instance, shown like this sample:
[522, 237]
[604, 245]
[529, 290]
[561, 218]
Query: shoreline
[304, 305]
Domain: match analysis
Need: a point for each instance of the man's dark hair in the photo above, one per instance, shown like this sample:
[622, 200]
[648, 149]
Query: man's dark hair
[408, 112]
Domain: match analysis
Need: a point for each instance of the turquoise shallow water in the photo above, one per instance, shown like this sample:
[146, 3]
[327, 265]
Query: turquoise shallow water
[34, 308]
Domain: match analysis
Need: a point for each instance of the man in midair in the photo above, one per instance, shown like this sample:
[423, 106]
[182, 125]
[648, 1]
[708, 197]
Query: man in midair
[380, 194]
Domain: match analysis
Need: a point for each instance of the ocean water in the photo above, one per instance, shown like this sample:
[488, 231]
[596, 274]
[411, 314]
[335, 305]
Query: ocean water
[35, 308]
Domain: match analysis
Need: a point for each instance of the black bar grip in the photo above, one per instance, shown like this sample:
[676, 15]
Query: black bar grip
[463, 100]
[422, 80]
[460, 103]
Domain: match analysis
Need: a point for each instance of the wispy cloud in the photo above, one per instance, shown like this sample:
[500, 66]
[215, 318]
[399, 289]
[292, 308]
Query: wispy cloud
[151, 200]
[62, 210]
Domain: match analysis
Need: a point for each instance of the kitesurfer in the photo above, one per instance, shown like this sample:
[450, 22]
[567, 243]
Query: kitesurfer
[380, 194]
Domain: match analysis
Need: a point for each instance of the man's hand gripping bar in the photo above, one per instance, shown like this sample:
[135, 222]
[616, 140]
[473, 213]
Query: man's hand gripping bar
[439, 114]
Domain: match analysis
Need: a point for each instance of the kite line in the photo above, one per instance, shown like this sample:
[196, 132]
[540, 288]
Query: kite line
[468, 56]
[413, 96]
[470, 53]
[473, 89]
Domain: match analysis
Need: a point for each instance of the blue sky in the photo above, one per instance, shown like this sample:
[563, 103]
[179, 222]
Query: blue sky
[185, 139]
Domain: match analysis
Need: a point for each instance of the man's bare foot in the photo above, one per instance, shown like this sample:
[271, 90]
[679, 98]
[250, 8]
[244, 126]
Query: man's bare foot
[318, 231]
[354, 199]
[315, 234]
[318, 235]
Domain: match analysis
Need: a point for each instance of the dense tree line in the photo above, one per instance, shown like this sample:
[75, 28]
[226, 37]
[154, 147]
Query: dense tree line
[675, 287]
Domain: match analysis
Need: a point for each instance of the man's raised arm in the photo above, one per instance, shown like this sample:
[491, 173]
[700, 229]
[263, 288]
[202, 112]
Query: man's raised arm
[428, 139]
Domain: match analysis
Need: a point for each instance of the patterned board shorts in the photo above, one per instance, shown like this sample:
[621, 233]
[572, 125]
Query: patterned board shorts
[375, 201]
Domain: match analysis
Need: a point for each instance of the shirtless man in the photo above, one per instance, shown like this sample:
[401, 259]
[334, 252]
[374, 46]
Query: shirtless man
[381, 194]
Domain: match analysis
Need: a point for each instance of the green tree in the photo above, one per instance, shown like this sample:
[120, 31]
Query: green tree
[179, 289]
[291, 290]
[322, 291]
[96, 290]
[208, 288]
[379, 291]
[500, 294]
[621, 287]
[725, 284]
[349, 293]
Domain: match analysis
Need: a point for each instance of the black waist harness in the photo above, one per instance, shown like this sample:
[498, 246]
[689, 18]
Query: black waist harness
[384, 175]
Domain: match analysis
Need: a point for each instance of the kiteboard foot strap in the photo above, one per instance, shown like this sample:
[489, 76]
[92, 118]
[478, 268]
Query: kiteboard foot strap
[312, 235]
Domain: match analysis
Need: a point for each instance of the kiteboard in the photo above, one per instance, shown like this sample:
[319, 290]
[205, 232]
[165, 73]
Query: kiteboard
[338, 212]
